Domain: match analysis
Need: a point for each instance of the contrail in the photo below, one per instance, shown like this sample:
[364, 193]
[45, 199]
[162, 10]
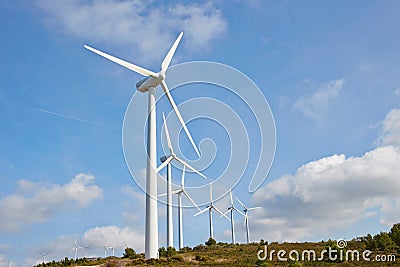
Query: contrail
[76, 119]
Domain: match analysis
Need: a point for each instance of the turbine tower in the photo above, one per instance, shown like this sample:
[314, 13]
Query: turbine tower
[149, 85]
[76, 247]
[112, 249]
[179, 192]
[105, 251]
[231, 209]
[44, 256]
[210, 209]
[166, 161]
[246, 218]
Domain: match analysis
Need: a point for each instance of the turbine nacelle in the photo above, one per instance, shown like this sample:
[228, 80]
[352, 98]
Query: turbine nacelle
[151, 81]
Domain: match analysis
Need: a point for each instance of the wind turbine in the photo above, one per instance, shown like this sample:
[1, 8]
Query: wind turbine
[112, 249]
[149, 84]
[105, 251]
[246, 218]
[44, 256]
[210, 208]
[166, 161]
[179, 192]
[231, 209]
[76, 247]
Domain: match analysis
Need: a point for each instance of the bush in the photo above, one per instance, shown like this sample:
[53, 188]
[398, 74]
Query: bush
[177, 258]
[395, 233]
[293, 263]
[210, 242]
[185, 249]
[130, 253]
[384, 242]
[199, 248]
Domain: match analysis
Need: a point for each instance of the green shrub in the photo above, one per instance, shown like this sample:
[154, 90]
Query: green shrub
[210, 242]
[130, 253]
[177, 258]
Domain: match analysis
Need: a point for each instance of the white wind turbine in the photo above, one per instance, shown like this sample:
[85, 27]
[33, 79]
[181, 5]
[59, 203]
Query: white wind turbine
[210, 209]
[179, 192]
[76, 247]
[246, 218]
[105, 251]
[231, 209]
[149, 84]
[166, 161]
[112, 249]
[44, 256]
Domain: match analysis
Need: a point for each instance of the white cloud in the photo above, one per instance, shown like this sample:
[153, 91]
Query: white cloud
[37, 202]
[315, 105]
[330, 194]
[146, 27]
[390, 134]
[3, 261]
[114, 235]
[327, 196]
[397, 92]
[92, 243]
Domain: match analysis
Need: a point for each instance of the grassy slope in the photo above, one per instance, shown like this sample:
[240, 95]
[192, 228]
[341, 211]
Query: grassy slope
[246, 255]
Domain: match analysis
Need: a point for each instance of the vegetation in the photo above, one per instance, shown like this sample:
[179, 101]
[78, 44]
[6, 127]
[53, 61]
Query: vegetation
[222, 254]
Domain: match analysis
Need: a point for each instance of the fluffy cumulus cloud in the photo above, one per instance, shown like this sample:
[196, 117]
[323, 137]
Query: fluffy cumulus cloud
[329, 195]
[36, 202]
[3, 261]
[144, 26]
[315, 105]
[390, 134]
[114, 236]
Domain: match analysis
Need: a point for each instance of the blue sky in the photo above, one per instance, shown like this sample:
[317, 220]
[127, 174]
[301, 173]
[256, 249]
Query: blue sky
[329, 71]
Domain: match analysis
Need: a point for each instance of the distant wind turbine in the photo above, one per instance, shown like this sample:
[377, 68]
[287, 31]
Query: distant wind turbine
[246, 218]
[210, 209]
[179, 192]
[112, 249]
[231, 209]
[76, 247]
[166, 161]
[105, 251]
[44, 256]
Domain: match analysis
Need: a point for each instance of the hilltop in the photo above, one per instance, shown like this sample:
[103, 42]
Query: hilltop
[378, 250]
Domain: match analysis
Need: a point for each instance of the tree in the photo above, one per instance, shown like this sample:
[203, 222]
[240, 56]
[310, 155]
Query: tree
[162, 252]
[395, 233]
[210, 242]
[130, 253]
[369, 241]
[171, 251]
[384, 242]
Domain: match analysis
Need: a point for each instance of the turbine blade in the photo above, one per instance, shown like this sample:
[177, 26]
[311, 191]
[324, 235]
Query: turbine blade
[183, 177]
[230, 194]
[178, 114]
[226, 212]
[211, 196]
[123, 63]
[162, 195]
[190, 167]
[167, 134]
[220, 212]
[191, 200]
[201, 212]
[171, 52]
[239, 212]
[254, 208]
[165, 163]
[241, 203]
